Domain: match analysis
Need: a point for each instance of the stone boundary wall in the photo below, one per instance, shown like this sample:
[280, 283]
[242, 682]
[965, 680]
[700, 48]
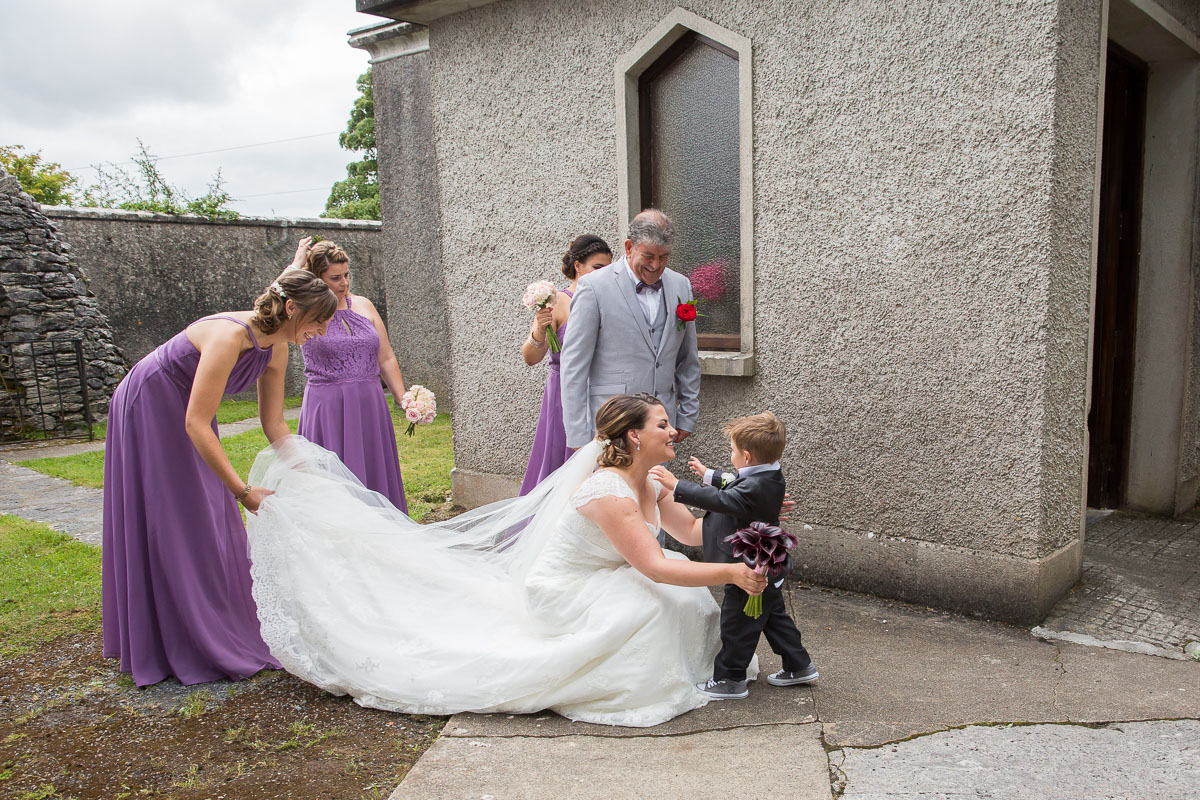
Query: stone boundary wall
[153, 274]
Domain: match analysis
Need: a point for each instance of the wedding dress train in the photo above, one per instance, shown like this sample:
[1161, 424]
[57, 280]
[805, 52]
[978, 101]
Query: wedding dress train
[516, 607]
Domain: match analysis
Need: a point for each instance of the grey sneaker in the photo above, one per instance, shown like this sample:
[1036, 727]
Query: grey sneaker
[724, 689]
[785, 678]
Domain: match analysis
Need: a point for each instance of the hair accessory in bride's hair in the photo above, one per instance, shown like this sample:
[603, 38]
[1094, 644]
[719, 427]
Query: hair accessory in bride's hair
[277, 289]
[604, 442]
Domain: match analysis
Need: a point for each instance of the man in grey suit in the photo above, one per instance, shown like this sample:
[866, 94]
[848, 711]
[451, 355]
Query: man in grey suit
[624, 336]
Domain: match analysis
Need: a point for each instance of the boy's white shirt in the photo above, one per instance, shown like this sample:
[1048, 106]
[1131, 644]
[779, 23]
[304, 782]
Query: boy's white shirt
[726, 477]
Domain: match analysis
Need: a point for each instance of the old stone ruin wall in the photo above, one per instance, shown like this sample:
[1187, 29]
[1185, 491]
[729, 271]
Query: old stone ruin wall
[45, 303]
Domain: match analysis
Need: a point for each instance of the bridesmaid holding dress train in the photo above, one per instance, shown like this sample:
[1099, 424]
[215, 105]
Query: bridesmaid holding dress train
[175, 571]
[584, 255]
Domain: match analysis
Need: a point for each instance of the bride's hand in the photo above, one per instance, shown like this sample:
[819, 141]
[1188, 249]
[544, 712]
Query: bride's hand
[748, 580]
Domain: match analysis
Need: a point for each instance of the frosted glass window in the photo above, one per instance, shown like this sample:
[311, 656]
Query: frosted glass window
[690, 170]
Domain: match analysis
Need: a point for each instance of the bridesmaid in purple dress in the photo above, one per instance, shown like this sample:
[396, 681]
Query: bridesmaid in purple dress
[344, 407]
[176, 577]
[586, 254]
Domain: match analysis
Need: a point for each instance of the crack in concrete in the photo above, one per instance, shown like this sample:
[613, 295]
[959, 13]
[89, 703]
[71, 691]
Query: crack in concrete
[1008, 724]
[1061, 669]
[718, 729]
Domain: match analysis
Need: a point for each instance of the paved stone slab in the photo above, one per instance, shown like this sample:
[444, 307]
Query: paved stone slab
[766, 761]
[1100, 685]
[1139, 583]
[1158, 760]
[74, 510]
[890, 670]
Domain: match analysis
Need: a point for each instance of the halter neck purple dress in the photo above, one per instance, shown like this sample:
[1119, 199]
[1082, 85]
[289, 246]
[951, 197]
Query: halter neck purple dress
[176, 574]
[344, 407]
[550, 449]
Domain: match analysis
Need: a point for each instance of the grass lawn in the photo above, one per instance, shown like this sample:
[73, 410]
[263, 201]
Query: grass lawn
[237, 410]
[49, 585]
[425, 461]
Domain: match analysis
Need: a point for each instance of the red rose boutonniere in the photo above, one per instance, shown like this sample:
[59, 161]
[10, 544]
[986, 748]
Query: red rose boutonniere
[685, 313]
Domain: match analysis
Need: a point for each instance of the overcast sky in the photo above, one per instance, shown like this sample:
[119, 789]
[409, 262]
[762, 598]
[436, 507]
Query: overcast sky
[82, 81]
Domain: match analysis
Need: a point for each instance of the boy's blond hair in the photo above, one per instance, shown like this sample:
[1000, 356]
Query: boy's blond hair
[763, 435]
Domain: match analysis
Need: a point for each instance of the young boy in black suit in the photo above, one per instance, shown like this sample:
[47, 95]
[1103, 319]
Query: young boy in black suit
[733, 501]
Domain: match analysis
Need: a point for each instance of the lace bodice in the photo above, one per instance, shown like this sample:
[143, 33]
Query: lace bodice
[605, 483]
[349, 350]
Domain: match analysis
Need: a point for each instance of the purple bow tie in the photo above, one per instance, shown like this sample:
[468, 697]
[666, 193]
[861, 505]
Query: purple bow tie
[654, 287]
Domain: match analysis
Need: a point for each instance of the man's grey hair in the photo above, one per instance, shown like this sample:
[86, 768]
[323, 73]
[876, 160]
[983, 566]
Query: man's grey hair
[652, 226]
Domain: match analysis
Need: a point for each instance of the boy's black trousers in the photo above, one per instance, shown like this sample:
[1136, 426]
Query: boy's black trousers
[739, 634]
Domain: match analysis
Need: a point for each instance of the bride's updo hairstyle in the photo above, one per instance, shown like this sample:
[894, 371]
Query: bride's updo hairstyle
[323, 255]
[580, 250]
[314, 300]
[618, 416]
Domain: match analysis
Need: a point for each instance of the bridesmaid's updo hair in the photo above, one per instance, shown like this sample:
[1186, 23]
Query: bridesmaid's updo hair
[618, 416]
[313, 299]
[323, 255]
[583, 248]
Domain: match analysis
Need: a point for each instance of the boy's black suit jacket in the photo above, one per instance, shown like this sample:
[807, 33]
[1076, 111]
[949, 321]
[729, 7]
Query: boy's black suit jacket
[757, 497]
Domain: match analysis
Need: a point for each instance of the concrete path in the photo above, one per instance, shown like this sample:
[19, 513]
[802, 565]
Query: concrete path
[911, 703]
[62, 505]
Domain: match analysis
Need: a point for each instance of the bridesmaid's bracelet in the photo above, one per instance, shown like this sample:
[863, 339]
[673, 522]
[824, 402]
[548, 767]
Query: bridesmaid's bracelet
[536, 343]
[245, 493]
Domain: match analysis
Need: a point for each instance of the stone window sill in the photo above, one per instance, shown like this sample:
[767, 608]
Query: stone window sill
[714, 362]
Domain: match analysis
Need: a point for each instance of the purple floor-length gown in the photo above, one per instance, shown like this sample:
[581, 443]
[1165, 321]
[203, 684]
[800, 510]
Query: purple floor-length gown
[344, 407]
[176, 575]
[550, 449]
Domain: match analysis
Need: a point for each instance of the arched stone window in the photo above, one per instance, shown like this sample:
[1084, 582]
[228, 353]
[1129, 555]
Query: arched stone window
[684, 91]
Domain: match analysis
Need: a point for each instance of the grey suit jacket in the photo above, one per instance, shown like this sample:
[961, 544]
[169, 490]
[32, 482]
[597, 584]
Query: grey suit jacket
[608, 352]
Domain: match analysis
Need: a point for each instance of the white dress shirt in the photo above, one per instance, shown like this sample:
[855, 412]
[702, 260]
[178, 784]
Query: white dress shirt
[726, 477]
[649, 299]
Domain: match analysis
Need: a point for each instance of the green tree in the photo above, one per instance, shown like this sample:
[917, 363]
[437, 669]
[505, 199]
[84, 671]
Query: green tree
[357, 197]
[46, 181]
[148, 190]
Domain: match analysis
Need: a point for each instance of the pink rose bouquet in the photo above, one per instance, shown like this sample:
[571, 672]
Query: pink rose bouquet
[538, 295]
[419, 406]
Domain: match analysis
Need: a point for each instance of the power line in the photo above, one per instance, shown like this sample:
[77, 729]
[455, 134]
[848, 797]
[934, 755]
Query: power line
[219, 150]
[290, 191]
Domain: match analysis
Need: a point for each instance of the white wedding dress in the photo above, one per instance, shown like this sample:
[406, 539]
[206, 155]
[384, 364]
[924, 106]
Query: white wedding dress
[515, 607]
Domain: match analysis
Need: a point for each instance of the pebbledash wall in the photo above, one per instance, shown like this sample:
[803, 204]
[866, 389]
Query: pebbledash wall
[924, 209]
[153, 274]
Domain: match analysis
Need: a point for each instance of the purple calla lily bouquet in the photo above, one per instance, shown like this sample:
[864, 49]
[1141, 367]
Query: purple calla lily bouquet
[766, 549]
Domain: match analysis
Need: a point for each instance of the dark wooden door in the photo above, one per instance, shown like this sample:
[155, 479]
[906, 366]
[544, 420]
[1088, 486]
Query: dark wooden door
[1116, 277]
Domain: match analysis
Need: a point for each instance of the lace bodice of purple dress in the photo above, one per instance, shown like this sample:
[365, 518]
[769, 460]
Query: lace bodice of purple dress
[349, 350]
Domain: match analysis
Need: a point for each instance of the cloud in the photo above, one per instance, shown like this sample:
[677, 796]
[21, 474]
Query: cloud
[184, 78]
[95, 60]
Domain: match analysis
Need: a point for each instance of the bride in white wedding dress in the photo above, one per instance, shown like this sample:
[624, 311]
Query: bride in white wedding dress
[561, 599]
